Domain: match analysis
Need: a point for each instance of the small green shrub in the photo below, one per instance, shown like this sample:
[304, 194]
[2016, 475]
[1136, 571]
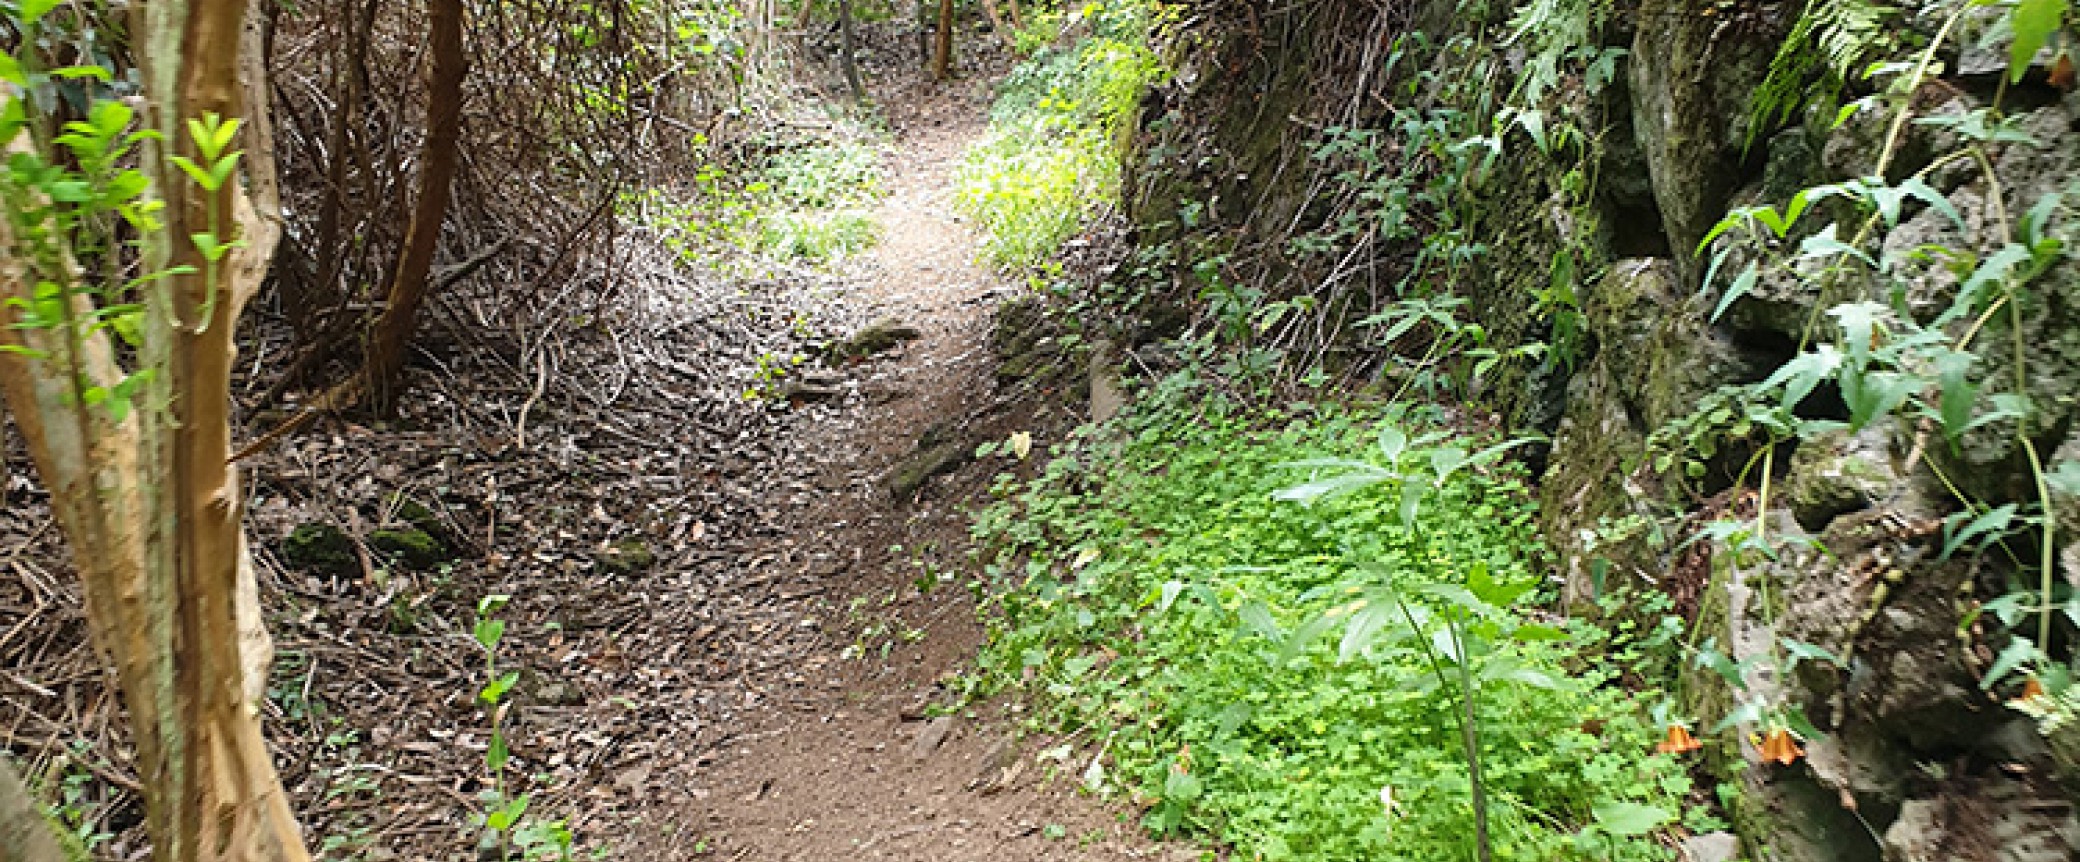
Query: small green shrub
[1051, 156]
[1152, 594]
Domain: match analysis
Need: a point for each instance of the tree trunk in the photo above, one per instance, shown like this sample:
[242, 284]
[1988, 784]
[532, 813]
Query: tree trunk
[942, 53]
[996, 21]
[846, 48]
[25, 836]
[151, 510]
[383, 359]
[219, 796]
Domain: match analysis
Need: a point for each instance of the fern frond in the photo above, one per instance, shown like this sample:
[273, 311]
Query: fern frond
[1827, 43]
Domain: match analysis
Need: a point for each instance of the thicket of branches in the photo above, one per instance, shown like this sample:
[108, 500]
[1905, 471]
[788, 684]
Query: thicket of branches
[565, 107]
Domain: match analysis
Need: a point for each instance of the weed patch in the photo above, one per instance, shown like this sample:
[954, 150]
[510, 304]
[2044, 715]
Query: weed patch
[1052, 156]
[1294, 680]
[809, 203]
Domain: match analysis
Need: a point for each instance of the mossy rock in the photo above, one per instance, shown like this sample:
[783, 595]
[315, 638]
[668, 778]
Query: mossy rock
[626, 557]
[929, 461]
[413, 547]
[320, 548]
[880, 336]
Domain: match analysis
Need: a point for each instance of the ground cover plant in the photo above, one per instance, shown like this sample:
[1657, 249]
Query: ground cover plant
[1052, 155]
[1294, 680]
[799, 202]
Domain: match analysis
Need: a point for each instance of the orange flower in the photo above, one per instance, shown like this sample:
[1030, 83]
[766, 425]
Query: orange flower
[1780, 747]
[1679, 740]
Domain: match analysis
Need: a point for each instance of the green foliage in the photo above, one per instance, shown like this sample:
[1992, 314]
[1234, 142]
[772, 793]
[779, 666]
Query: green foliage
[1052, 155]
[810, 202]
[1157, 599]
[64, 197]
[1896, 330]
[1825, 46]
[506, 824]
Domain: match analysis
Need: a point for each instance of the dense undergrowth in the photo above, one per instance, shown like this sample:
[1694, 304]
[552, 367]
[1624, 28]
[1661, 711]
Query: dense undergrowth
[793, 201]
[1283, 678]
[1053, 151]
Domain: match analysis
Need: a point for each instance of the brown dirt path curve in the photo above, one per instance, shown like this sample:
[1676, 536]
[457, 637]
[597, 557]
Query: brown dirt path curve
[841, 762]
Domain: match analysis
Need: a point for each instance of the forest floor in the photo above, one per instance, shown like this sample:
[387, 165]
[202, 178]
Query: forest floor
[734, 641]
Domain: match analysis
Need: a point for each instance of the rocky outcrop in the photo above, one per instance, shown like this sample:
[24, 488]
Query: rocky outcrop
[1914, 757]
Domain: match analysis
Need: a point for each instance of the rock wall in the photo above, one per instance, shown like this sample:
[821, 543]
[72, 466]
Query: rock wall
[1913, 759]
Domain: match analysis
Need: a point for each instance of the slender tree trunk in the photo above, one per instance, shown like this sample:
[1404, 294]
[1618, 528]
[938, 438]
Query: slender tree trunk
[303, 302]
[383, 360]
[942, 52]
[996, 21]
[149, 505]
[847, 48]
[25, 836]
[218, 795]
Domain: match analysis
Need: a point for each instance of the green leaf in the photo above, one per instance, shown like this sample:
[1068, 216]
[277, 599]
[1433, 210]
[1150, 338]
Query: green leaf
[1803, 373]
[76, 72]
[1309, 493]
[1958, 395]
[194, 171]
[220, 172]
[1742, 284]
[1802, 651]
[1181, 786]
[2014, 656]
[1510, 670]
[2034, 21]
[488, 632]
[11, 72]
[1171, 590]
[1746, 713]
[33, 11]
[1827, 244]
[1710, 657]
[495, 755]
[1257, 618]
[1915, 188]
[1872, 396]
[1487, 589]
[1365, 626]
[1392, 442]
[2064, 478]
[1629, 819]
[1991, 523]
[1306, 635]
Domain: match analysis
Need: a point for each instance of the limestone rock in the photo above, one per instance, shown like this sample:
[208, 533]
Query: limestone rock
[1691, 85]
[626, 556]
[878, 337]
[1711, 847]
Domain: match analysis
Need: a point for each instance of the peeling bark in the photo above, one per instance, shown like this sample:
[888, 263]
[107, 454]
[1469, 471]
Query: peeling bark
[150, 505]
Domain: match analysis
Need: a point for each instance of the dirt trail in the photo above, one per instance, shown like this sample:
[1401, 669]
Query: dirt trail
[845, 763]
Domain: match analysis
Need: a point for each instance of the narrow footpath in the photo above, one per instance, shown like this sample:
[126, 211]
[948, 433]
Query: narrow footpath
[853, 760]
